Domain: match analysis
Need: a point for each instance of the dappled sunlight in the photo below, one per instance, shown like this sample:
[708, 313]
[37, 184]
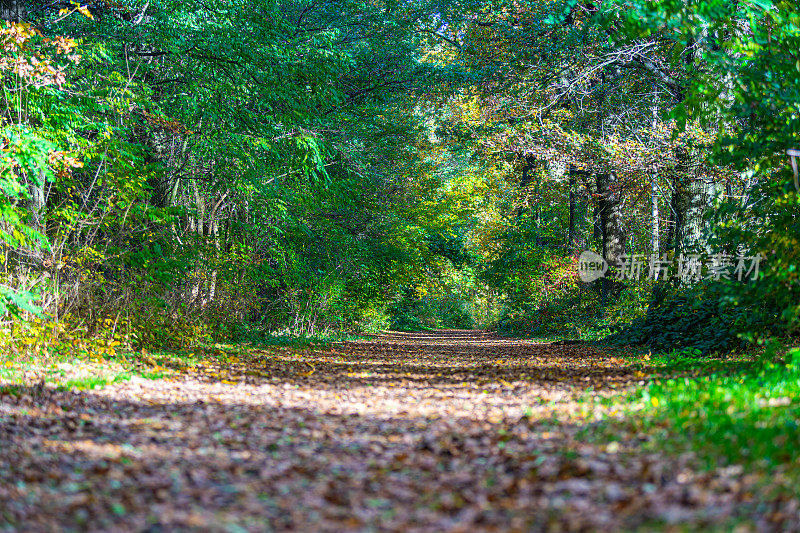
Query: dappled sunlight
[262, 264]
[401, 448]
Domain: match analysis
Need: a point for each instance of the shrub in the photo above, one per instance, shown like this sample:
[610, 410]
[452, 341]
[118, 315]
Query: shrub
[703, 316]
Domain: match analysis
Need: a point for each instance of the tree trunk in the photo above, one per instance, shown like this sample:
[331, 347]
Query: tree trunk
[655, 230]
[668, 242]
[597, 228]
[571, 244]
[37, 202]
[528, 169]
[578, 205]
[654, 222]
[689, 201]
[12, 10]
[614, 237]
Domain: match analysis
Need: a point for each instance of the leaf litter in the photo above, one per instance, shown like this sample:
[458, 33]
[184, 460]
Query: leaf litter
[435, 431]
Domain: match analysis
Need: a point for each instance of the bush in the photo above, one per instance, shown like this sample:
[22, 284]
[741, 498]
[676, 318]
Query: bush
[437, 311]
[703, 316]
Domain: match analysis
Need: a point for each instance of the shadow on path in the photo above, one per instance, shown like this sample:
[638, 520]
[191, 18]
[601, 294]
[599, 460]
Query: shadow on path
[435, 431]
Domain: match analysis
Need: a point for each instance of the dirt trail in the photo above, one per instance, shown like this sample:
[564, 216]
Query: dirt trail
[440, 431]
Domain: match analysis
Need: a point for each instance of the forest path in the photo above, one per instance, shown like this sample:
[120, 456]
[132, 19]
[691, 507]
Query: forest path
[435, 431]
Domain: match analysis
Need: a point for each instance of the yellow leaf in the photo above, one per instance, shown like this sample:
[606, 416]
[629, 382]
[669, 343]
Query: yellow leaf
[85, 12]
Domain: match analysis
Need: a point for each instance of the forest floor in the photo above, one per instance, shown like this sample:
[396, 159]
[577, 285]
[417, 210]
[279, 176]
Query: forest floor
[435, 431]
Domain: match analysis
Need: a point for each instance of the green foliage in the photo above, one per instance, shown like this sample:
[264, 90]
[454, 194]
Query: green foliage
[451, 247]
[210, 167]
[29, 67]
[431, 311]
[747, 89]
[701, 317]
[407, 316]
[576, 313]
[748, 86]
[211, 183]
[769, 227]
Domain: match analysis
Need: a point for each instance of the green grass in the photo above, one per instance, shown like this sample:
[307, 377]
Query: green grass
[682, 361]
[12, 390]
[303, 341]
[243, 334]
[9, 373]
[730, 412]
[21, 375]
[84, 371]
[749, 416]
[91, 382]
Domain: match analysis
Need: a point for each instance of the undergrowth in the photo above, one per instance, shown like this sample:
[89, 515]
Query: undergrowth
[735, 412]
